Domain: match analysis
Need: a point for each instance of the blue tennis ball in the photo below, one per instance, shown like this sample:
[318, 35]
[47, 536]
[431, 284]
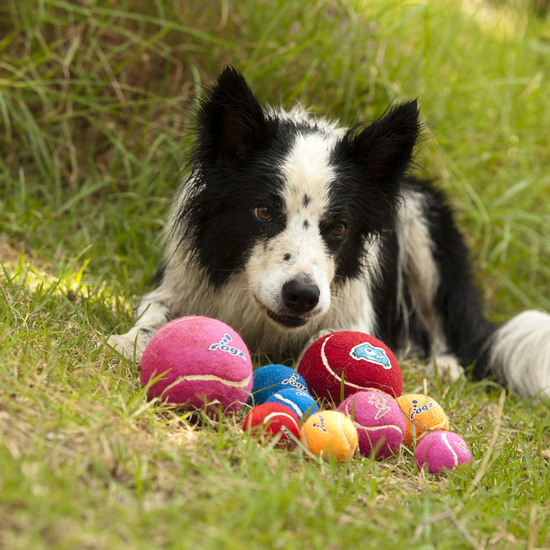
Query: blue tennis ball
[296, 399]
[272, 378]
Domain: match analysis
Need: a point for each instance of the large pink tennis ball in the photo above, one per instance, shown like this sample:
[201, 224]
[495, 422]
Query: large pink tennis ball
[342, 363]
[379, 422]
[442, 450]
[199, 362]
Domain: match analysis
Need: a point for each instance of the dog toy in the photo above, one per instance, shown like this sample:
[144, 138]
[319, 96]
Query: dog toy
[273, 421]
[330, 435]
[379, 422]
[442, 450]
[423, 414]
[342, 363]
[197, 362]
[270, 379]
[301, 402]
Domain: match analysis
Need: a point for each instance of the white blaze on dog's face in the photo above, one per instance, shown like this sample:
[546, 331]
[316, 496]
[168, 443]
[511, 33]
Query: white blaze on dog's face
[291, 273]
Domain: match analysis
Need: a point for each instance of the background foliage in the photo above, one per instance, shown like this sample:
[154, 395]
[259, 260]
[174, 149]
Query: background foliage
[95, 99]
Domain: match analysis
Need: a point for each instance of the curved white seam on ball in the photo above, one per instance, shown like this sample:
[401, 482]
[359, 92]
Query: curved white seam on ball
[449, 446]
[343, 432]
[327, 366]
[303, 439]
[184, 319]
[209, 378]
[442, 424]
[376, 428]
[290, 403]
[268, 417]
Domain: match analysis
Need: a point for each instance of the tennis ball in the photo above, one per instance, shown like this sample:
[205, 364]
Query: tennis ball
[298, 400]
[379, 422]
[423, 414]
[342, 363]
[271, 378]
[273, 420]
[330, 435]
[199, 362]
[442, 450]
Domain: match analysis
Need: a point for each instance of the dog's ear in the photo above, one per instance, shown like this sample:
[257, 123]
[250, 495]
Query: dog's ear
[231, 123]
[383, 150]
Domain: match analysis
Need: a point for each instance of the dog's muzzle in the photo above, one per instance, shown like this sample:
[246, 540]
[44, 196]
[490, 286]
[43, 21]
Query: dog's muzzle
[299, 298]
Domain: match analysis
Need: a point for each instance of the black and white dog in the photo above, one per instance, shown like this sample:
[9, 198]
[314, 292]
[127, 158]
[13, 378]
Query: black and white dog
[289, 227]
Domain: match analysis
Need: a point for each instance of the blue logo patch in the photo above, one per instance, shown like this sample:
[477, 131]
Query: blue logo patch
[371, 353]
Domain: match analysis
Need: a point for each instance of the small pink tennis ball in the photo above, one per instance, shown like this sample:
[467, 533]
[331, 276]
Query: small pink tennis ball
[199, 362]
[442, 450]
[342, 363]
[379, 422]
[273, 421]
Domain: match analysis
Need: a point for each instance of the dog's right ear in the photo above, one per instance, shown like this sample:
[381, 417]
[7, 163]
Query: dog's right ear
[231, 123]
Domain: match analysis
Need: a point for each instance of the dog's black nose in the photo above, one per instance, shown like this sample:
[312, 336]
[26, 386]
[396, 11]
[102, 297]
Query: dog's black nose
[300, 296]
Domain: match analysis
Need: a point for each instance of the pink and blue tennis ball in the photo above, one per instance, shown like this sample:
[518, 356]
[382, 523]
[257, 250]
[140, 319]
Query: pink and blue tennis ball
[301, 402]
[197, 362]
[269, 379]
[442, 450]
[379, 422]
[273, 421]
[342, 363]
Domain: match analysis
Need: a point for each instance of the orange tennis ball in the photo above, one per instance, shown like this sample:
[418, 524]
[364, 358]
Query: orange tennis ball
[330, 435]
[423, 414]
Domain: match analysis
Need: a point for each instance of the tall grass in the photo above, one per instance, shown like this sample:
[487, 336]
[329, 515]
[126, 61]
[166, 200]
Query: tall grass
[94, 104]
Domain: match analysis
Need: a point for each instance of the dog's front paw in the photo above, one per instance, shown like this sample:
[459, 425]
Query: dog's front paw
[446, 366]
[314, 339]
[318, 335]
[132, 344]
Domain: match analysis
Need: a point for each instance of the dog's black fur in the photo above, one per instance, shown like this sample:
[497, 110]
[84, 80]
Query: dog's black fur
[289, 227]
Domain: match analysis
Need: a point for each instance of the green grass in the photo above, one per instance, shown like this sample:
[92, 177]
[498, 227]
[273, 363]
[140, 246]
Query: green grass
[94, 103]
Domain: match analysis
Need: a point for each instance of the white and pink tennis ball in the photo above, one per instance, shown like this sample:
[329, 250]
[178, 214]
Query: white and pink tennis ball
[199, 362]
[442, 450]
[342, 363]
[379, 422]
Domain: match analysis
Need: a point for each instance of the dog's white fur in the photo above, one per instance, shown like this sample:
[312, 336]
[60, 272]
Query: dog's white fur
[524, 342]
[521, 347]
[347, 307]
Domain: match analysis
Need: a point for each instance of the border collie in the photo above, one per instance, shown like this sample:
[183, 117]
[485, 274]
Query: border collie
[289, 227]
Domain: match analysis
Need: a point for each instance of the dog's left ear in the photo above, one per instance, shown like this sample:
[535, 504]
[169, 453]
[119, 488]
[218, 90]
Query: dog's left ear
[231, 123]
[383, 150]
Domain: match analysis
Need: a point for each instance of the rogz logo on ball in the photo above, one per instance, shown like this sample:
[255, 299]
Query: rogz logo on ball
[224, 346]
[293, 381]
[371, 353]
[288, 439]
[416, 410]
[379, 401]
[320, 425]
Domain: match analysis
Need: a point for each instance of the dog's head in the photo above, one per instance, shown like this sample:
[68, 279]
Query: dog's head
[289, 199]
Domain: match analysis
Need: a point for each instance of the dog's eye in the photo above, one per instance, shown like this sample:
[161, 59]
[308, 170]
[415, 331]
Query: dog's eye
[264, 213]
[338, 230]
